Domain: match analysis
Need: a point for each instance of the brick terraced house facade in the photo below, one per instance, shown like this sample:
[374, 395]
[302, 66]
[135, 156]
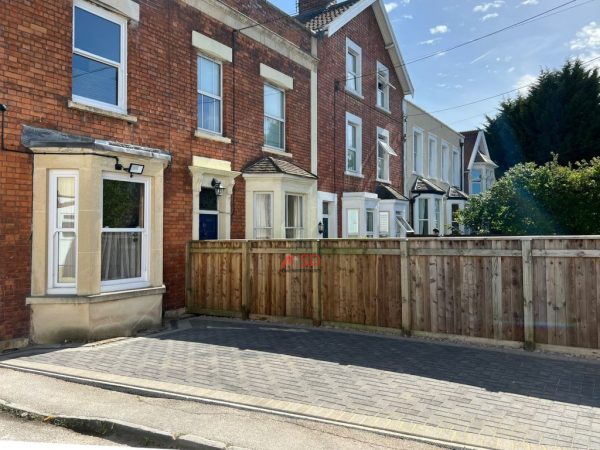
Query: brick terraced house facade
[362, 84]
[133, 127]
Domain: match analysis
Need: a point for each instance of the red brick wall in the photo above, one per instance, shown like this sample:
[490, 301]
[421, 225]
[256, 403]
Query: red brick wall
[333, 105]
[35, 54]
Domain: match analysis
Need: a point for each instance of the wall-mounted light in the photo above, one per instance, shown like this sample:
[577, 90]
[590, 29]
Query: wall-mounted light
[135, 169]
[218, 187]
[320, 228]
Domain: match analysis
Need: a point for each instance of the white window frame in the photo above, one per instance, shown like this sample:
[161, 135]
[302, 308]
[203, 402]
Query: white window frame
[382, 232]
[207, 94]
[356, 51]
[437, 215]
[445, 161]
[432, 168]
[357, 211]
[417, 151]
[456, 170]
[352, 120]
[53, 286]
[418, 219]
[255, 225]
[143, 280]
[279, 119]
[385, 134]
[301, 228]
[121, 106]
[480, 181]
[383, 76]
[370, 233]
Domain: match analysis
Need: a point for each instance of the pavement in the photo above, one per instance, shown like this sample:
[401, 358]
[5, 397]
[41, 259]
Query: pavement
[23, 430]
[466, 395]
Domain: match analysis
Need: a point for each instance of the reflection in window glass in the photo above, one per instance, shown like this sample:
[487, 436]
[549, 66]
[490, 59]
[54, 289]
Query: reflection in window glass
[209, 95]
[95, 80]
[274, 104]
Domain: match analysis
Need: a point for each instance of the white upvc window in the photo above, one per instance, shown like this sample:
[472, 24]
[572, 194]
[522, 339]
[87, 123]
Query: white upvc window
[99, 64]
[423, 221]
[370, 223]
[353, 144]
[476, 181]
[352, 222]
[437, 214]
[62, 232]
[353, 67]
[433, 157]
[125, 232]
[210, 108]
[418, 151]
[456, 168]
[263, 215]
[294, 216]
[383, 86]
[384, 150]
[445, 162]
[384, 224]
[274, 107]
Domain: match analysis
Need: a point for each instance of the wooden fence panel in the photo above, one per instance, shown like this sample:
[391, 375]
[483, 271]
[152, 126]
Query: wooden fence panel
[360, 286]
[542, 290]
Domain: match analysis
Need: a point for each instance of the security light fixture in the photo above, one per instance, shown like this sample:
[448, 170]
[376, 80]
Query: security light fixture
[135, 169]
[218, 187]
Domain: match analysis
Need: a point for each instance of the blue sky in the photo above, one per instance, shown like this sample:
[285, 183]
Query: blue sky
[493, 65]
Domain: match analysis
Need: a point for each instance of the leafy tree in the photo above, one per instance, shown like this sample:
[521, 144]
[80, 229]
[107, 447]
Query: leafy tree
[539, 200]
[560, 114]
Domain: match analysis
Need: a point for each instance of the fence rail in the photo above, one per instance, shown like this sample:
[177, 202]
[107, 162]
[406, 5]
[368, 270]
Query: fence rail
[543, 290]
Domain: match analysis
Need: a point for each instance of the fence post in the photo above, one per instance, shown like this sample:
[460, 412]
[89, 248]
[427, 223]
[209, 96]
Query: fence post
[246, 285]
[528, 318]
[316, 285]
[405, 286]
[497, 292]
[188, 275]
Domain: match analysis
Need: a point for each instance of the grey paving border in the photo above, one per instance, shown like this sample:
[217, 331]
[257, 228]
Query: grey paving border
[388, 427]
[120, 430]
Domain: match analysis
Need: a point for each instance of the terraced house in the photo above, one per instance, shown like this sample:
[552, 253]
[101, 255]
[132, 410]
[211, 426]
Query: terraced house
[362, 82]
[131, 128]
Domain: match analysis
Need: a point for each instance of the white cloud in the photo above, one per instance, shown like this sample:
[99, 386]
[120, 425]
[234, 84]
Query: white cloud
[408, 16]
[458, 86]
[429, 41]
[524, 83]
[489, 16]
[588, 38]
[587, 44]
[439, 29]
[530, 2]
[389, 7]
[484, 7]
[511, 70]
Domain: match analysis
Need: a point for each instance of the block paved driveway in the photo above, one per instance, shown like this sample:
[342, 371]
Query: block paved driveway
[506, 394]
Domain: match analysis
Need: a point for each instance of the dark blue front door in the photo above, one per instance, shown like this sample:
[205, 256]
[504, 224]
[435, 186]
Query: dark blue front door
[209, 227]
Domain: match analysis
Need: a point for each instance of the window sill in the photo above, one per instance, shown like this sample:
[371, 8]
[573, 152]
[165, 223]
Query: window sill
[355, 94]
[102, 112]
[276, 151]
[201, 134]
[383, 110]
[95, 298]
[353, 174]
[381, 180]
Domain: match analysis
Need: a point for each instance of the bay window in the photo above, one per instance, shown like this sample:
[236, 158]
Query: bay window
[274, 103]
[209, 95]
[294, 216]
[63, 215]
[384, 223]
[352, 222]
[476, 181]
[99, 70]
[125, 227]
[263, 215]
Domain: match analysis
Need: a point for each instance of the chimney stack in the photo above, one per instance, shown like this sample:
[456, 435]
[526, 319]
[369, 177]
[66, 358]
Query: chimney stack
[313, 6]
